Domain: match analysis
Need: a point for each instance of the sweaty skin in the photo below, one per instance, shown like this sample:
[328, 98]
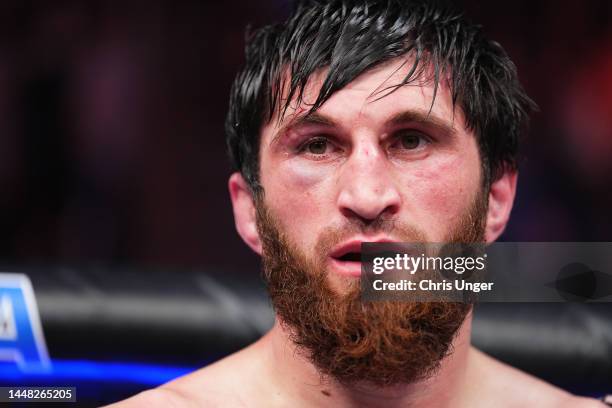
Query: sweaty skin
[354, 161]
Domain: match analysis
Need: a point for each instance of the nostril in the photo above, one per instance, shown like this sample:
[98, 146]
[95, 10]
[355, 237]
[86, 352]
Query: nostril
[368, 206]
[366, 220]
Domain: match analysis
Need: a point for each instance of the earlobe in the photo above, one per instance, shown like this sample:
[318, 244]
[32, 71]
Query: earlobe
[501, 199]
[244, 211]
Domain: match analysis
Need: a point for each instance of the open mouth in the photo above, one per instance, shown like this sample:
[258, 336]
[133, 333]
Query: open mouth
[350, 257]
[346, 260]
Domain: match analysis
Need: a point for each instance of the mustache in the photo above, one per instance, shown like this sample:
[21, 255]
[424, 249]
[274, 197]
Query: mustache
[391, 227]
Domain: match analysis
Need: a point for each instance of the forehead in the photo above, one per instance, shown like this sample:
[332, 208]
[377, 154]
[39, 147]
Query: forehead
[367, 101]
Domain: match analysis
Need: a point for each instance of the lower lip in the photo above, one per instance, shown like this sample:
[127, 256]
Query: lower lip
[346, 268]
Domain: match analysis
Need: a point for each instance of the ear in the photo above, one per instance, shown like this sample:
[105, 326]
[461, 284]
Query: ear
[501, 199]
[244, 211]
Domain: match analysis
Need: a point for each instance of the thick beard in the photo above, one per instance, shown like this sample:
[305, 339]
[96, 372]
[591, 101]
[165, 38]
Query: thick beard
[381, 343]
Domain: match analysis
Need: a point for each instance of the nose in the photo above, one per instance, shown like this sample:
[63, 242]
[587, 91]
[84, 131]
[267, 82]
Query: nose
[367, 189]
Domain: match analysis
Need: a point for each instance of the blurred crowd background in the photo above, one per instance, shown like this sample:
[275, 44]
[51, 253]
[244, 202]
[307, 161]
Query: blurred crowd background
[112, 148]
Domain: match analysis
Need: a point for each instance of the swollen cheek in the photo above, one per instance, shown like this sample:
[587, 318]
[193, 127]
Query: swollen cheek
[303, 175]
[297, 191]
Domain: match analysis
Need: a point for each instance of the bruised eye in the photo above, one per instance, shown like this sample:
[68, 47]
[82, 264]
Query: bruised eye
[318, 146]
[411, 140]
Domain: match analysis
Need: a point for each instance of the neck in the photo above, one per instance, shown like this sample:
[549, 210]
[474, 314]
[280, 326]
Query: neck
[300, 382]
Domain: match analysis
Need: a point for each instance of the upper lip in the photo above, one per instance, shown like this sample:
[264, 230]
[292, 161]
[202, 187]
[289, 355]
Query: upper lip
[354, 245]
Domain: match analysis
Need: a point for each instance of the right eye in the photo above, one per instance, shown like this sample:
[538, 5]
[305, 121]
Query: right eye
[317, 146]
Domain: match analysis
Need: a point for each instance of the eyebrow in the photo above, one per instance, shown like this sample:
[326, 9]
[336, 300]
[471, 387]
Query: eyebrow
[313, 118]
[427, 119]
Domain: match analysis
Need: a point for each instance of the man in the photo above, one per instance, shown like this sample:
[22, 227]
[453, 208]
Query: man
[367, 121]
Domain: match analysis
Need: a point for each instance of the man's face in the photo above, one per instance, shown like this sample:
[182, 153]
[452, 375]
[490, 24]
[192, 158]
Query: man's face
[359, 170]
[377, 170]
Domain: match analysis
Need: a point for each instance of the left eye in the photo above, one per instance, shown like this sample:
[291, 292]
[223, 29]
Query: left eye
[411, 139]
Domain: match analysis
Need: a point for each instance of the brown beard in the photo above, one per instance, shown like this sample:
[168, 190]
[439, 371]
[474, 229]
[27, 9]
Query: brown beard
[382, 343]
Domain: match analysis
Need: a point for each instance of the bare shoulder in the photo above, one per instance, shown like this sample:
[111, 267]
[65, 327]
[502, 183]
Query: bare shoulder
[232, 375]
[158, 397]
[179, 396]
[508, 386]
[226, 382]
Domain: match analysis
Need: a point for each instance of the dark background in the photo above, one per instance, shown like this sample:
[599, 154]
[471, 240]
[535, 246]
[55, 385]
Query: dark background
[112, 148]
[112, 160]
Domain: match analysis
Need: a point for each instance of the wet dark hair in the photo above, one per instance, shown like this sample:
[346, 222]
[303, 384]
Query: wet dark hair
[350, 37]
